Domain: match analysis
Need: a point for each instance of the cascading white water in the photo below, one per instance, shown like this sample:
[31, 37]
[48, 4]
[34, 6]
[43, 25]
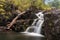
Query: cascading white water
[36, 25]
[39, 22]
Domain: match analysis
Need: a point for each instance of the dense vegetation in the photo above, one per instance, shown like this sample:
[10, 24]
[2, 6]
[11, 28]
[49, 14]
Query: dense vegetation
[9, 10]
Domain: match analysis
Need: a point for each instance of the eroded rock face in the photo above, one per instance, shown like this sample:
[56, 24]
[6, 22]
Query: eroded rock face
[52, 26]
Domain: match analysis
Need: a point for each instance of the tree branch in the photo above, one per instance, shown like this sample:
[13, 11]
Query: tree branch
[14, 20]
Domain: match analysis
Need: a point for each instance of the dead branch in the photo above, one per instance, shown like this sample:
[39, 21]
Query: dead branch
[14, 20]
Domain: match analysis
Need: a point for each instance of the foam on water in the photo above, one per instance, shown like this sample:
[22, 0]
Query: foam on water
[32, 34]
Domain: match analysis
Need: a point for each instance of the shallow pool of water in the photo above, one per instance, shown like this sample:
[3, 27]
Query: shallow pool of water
[17, 36]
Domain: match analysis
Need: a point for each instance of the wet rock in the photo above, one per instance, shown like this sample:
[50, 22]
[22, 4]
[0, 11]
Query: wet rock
[2, 28]
[52, 26]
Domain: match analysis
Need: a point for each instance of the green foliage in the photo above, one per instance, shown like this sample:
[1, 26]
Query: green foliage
[41, 5]
[22, 4]
[4, 9]
[55, 3]
[25, 4]
[9, 6]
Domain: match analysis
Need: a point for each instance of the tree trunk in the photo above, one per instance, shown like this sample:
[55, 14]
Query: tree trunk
[14, 20]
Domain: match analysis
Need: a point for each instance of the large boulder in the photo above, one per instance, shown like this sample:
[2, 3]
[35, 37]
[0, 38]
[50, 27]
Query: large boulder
[52, 26]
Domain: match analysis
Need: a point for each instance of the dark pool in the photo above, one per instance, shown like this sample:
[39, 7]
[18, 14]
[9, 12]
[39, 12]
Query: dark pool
[17, 36]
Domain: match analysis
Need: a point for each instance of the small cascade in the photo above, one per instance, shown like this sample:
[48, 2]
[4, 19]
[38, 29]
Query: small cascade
[36, 26]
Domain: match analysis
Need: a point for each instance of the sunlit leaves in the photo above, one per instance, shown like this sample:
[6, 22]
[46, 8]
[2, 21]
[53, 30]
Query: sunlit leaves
[22, 4]
[38, 3]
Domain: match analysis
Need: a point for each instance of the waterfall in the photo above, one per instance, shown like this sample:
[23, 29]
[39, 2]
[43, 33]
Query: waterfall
[36, 26]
